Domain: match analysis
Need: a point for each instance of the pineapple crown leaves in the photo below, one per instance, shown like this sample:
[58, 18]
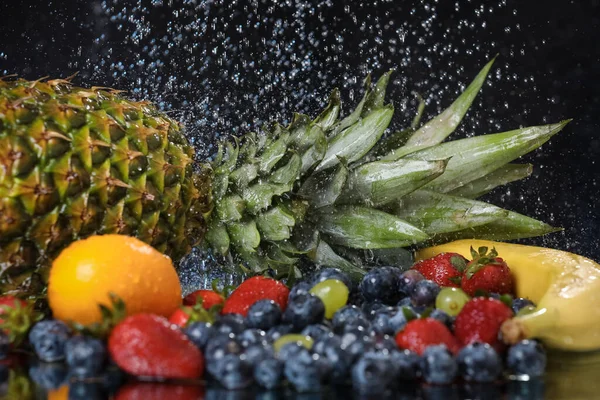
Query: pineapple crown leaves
[344, 183]
[17, 319]
[111, 316]
[481, 259]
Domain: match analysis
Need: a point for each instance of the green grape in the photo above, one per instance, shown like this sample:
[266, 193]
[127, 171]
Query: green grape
[451, 300]
[305, 341]
[333, 293]
[526, 310]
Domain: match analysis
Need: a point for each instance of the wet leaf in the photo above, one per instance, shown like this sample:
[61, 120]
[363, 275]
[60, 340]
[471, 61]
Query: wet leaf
[475, 157]
[381, 182]
[439, 213]
[324, 187]
[366, 228]
[355, 141]
[503, 175]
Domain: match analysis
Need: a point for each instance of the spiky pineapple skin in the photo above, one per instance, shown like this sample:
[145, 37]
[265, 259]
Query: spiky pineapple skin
[76, 162]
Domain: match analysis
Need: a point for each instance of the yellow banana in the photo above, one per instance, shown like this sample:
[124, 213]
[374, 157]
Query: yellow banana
[564, 286]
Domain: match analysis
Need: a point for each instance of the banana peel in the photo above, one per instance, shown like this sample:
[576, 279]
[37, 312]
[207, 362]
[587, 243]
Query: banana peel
[564, 286]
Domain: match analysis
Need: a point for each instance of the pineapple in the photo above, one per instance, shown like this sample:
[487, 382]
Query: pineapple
[76, 162]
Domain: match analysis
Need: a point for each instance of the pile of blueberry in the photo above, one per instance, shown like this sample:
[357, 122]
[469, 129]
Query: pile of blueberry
[349, 336]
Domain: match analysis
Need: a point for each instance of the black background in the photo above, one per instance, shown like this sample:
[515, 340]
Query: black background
[548, 70]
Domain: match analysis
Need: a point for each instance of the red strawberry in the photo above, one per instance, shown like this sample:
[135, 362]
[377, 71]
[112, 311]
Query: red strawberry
[159, 391]
[421, 333]
[445, 269]
[209, 298]
[480, 320]
[185, 315]
[255, 289]
[181, 316]
[16, 317]
[487, 272]
[148, 345]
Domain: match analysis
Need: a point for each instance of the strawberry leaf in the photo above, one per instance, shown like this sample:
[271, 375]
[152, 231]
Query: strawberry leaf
[459, 263]
[427, 312]
[409, 314]
[507, 300]
[474, 254]
[481, 259]
[456, 280]
[111, 316]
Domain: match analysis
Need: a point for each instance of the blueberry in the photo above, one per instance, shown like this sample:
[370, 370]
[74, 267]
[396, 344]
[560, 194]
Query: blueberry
[317, 331]
[479, 362]
[443, 317]
[303, 310]
[527, 357]
[380, 324]
[407, 364]
[381, 284]
[357, 324]
[306, 372]
[264, 314]
[4, 345]
[373, 373]
[344, 315]
[385, 344]
[408, 281]
[230, 323]
[233, 372]
[397, 321]
[341, 360]
[217, 348]
[251, 336]
[199, 333]
[289, 349]
[278, 331]
[519, 303]
[332, 273]
[48, 339]
[405, 302]
[85, 356]
[48, 376]
[257, 352]
[268, 372]
[370, 308]
[299, 288]
[438, 366]
[424, 293]
[357, 342]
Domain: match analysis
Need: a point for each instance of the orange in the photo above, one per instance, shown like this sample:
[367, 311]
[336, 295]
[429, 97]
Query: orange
[62, 393]
[84, 274]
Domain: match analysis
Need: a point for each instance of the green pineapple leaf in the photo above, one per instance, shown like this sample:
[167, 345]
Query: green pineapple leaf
[439, 213]
[366, 228]
[503, 175]
[473, 158]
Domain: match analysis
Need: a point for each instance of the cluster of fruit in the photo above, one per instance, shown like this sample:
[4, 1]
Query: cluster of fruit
[393, 327]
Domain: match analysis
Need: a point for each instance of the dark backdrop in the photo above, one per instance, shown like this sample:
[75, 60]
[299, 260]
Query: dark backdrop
[226, 66]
